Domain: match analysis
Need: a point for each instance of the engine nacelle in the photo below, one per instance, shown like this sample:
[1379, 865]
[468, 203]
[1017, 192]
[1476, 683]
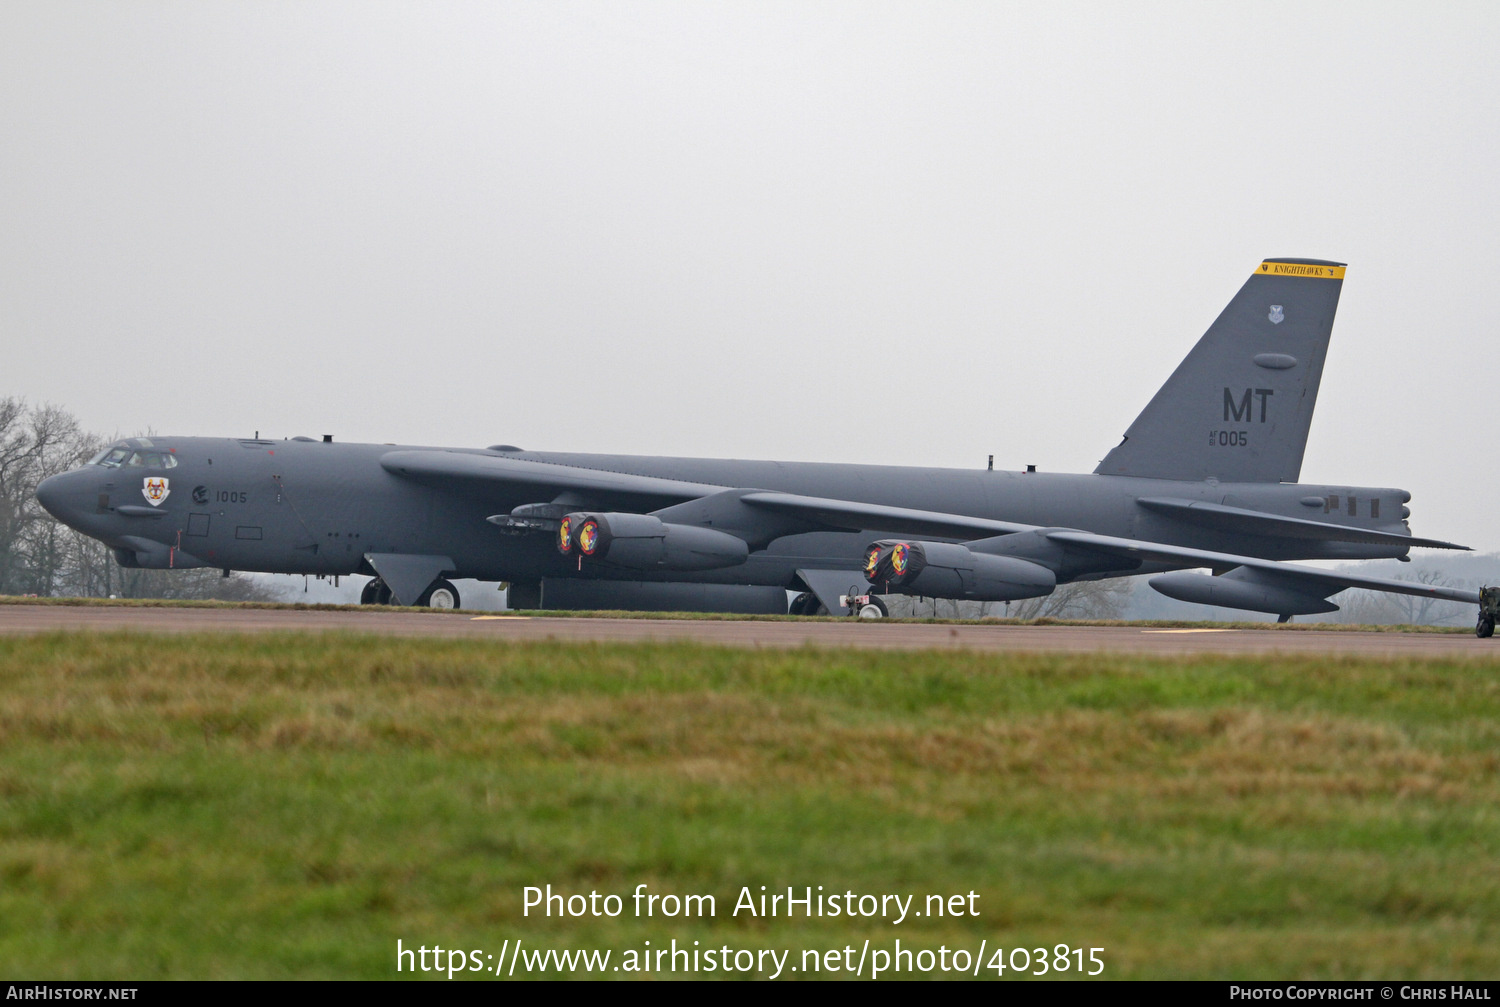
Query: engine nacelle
[946, 570]
[643, 542]
[1241, 588]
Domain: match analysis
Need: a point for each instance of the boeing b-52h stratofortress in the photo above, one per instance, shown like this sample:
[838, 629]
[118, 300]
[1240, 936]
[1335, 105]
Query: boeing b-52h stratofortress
[1206, 477]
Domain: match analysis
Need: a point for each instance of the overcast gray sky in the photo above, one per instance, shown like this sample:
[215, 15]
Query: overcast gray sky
[749, 230]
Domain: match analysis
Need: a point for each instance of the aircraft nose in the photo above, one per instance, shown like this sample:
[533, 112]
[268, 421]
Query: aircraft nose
[55, 493]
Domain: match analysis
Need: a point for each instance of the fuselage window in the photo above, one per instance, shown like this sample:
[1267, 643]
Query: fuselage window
[1351, 506]
[1375, 508]
[1333, 502]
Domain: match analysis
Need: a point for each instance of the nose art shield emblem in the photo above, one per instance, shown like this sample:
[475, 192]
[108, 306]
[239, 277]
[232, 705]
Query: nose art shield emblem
[1276, 314]
[155, 490]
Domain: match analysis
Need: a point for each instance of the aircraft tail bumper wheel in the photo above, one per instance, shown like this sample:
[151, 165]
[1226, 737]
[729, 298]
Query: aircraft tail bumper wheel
[442, 594]
[800, 603]
[875, 609]
[1486, 627]
[375, 593]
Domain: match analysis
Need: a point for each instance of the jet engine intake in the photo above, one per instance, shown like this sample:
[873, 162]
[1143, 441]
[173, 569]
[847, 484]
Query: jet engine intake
[643, 542]
[946, 570]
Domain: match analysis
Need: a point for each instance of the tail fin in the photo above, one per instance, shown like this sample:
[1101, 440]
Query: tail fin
[1239, 407]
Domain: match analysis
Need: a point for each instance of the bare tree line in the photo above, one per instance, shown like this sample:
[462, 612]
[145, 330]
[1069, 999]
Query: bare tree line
[1379, 608]
[1083, 599]
[41, 556]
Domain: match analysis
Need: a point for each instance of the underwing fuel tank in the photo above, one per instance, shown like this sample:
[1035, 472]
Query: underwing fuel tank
[1242, 588]
[643, 542]
[945, 570]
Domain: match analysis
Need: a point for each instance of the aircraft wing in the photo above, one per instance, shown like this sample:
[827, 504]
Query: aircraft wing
[478, 472]
[850, 515]
[512, 477]
[1311, 579]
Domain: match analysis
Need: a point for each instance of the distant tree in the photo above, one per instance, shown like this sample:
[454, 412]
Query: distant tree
[1087, 599]
[1380, 608]
[1082, 599]
[35, 442]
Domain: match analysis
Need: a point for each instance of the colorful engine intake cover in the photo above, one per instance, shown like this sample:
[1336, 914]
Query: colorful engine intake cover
[588, 537]
[899, 556]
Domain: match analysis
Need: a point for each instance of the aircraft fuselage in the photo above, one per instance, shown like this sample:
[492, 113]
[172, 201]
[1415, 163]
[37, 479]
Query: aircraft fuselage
[315, 507]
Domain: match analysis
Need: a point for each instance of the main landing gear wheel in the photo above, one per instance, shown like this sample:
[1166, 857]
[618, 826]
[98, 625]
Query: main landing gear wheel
[1486, 627]
[375, 593]
[806, 603]
[874, 610]
[442, 594]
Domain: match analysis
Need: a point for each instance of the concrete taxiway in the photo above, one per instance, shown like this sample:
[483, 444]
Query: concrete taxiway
[893, 634]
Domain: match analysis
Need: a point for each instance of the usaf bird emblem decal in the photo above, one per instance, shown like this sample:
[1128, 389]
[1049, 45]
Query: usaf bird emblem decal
[155, 490]
[1276, 314]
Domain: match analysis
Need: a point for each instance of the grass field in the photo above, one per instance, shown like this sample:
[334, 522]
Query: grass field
[291, 805]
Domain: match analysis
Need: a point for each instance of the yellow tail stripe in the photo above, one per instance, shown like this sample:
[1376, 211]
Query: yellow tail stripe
[1270, 268]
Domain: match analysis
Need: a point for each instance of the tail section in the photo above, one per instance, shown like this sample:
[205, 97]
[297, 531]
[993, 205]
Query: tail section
[1239, 407]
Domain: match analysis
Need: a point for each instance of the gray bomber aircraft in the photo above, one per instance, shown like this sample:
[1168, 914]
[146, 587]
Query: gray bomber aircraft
[1206, 477]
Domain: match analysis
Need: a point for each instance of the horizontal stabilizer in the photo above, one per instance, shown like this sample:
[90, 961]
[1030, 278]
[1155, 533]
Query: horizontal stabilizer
[1250, 522]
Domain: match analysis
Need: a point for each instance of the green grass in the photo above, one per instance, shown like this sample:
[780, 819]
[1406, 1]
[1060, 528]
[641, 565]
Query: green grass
[290, 805]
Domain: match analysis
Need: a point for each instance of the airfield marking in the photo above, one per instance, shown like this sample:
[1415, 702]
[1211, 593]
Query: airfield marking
[1189, 631]
[497, 618]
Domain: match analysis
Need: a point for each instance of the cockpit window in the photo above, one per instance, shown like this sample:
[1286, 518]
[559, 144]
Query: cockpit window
[114, 458]
[150, 460]
[118, 457]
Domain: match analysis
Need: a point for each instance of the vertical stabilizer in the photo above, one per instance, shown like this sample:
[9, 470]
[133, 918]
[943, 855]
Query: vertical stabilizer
[1239, 407]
